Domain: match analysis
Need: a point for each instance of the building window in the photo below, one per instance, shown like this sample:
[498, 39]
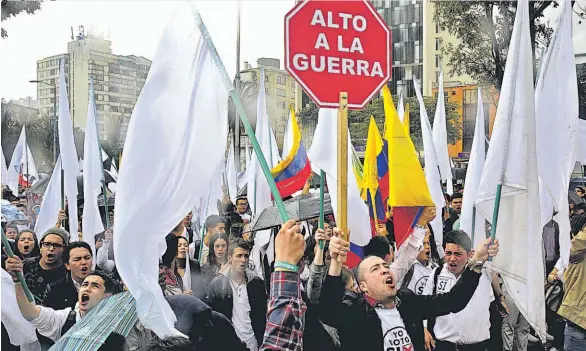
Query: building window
[281, 104]
[437, 61]
[100, 97]
[437, 43]
[437, 27]
[281, 80]
[453, 92]
[280, 92]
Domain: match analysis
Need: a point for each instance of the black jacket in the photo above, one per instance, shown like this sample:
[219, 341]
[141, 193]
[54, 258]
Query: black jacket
[61, 294]
[359, 326]
[208, 330]
[221, 300]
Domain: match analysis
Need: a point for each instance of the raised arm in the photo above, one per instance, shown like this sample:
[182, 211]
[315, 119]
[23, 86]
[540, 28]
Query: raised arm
[407, 253]
[431, 306]
[286, 308]
[102, 256]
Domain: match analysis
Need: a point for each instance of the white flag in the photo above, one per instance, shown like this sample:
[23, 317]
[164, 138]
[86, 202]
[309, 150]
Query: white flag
[432, 173]
[258, 191]
[68, 153]
[556, 118]
[20, 331]
[21, 163]
[231, 175]
[511, 162]
[51, 203]
[176, 141]
[440, 138]
[92, 176]
[4, 169]
[401, 109]
[323, 157]
[104, 155]
[473, 175]
[288, 137]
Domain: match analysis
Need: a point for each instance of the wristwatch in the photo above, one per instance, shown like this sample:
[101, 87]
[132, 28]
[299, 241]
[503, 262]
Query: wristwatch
[476, 266]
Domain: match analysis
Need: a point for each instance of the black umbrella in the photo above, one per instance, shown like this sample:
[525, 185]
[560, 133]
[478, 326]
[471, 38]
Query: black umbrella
[298, 208]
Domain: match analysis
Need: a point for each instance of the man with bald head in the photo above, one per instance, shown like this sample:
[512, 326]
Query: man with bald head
[382, 317]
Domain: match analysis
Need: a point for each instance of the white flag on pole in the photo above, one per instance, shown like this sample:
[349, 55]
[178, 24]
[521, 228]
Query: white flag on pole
[432, 173]
[231, 175]
[51, 203]
[288, 137]
[556, 118]
[323, 157]
[180, 125]
[21, 163]
[401, 109]
[473, 175]
[440, 138]
[68, 154]
[258, 191]
[511, 162]
[92, 176]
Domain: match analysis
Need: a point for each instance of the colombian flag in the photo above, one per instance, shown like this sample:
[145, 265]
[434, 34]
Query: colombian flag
[292, 172]
[408, 190]
[372, 159]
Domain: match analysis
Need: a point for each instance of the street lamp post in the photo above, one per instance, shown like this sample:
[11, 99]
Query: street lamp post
[54, 116]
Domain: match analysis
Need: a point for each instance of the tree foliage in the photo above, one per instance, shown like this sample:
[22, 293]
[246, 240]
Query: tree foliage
[358, 120]
[13, 8]
[39, 134]
[484, 30]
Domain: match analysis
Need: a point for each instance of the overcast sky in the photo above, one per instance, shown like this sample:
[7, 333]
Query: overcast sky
[134, 27]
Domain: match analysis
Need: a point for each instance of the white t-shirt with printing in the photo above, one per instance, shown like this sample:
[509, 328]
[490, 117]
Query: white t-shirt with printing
[395, 337]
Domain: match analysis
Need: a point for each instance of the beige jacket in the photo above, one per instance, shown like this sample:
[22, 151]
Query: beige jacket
[573, 306]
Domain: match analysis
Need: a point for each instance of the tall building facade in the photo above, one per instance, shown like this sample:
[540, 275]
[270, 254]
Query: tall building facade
[118, 81]
[405, 19]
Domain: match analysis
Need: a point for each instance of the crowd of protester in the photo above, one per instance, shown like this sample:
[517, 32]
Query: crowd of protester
[303, 296]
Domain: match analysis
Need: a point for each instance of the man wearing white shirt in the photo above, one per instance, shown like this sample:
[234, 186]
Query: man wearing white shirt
[469, 329]
[416, 278]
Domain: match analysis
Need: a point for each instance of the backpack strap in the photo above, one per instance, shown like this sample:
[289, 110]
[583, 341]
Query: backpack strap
[407, 278]
[69, 322]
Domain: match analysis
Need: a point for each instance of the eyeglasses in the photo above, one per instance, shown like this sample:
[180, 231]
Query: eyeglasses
[47, 245]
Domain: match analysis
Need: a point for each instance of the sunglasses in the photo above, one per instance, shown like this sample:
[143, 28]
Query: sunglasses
[54, 245]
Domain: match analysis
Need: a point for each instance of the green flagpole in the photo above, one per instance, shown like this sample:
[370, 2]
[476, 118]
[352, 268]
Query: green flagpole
[322, 176]
[242, 113]
[495, 213]
[8, 249]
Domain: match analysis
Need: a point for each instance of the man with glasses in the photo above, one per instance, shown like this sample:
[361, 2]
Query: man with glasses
[41, 271]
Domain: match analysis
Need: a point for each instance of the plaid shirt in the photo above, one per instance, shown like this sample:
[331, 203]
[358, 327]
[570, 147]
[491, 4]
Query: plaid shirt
[286, 313]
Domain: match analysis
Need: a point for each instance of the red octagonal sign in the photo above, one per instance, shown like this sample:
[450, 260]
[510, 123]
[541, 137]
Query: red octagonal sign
[334, 46]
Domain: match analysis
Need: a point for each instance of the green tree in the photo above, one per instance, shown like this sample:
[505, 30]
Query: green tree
[484, 30]
[13, 8]
[39, 135]
[358, 120]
